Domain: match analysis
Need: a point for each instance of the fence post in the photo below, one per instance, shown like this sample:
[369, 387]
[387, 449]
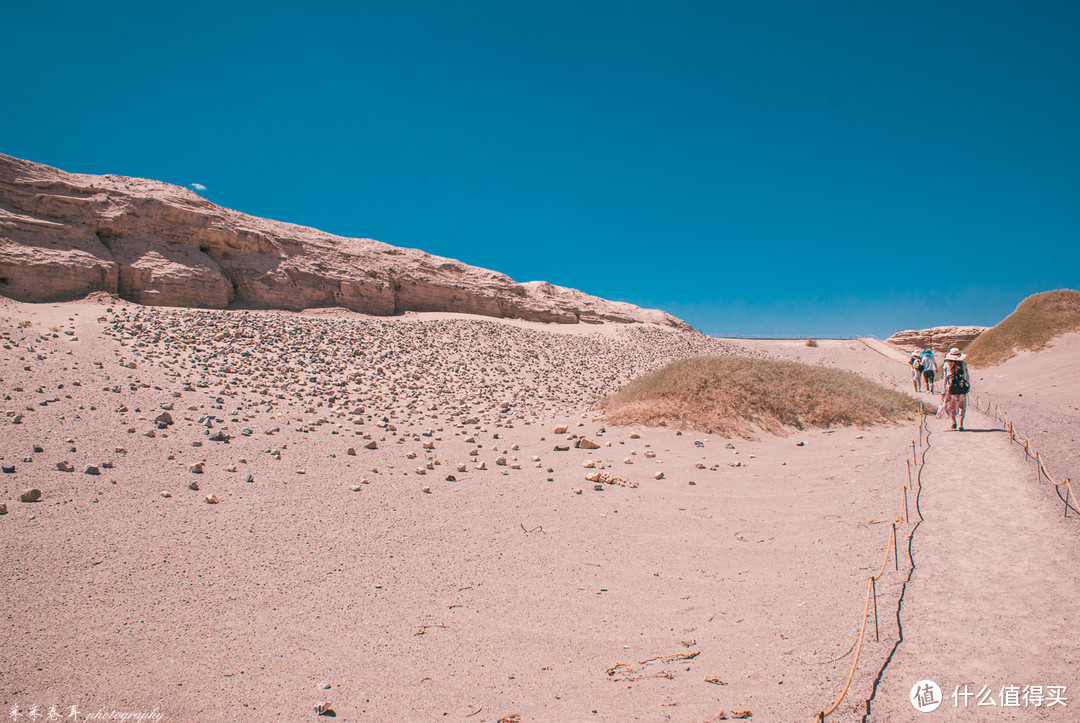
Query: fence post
[873, 587]
[896, 554]
[905, 505]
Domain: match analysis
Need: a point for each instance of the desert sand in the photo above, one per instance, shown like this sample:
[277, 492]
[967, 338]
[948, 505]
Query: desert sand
[269, 510]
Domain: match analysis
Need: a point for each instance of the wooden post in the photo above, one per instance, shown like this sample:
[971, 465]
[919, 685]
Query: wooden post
[905, 505]
[873, 586]
[896, 554]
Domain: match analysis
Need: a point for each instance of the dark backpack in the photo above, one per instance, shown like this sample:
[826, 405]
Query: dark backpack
[958, 383]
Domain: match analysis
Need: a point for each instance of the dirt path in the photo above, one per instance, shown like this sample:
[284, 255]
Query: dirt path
[990, 603]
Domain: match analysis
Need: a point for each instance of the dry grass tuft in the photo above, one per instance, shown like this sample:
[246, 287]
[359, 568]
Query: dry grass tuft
[736, 395]
[811, 342]
[1036, 321]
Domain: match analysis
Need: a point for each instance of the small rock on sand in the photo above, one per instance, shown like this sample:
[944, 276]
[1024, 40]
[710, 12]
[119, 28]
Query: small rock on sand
[32, 495]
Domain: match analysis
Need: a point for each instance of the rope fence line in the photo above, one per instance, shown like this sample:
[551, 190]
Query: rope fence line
[1040, 468]
[871, 585]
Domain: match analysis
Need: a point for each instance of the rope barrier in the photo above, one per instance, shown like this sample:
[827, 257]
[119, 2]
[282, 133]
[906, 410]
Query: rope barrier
[1040, 468]
[871, 587]
[992, 410]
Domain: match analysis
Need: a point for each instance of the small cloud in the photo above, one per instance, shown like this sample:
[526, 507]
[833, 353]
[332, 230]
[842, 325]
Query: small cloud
[198, 187]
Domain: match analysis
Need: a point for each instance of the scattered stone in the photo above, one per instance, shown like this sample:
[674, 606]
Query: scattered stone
[166, 494]
[193, 485]
[351, 452]
[584, 443]
[426, 490]
[163, 420]
[658, 475]
[65, 466]
[609, 479]
[8, 468]
[32, 495]
[212, 500]
[197, 468]
[93, 470]
[3, 509]
[371, 445]
[560, 430]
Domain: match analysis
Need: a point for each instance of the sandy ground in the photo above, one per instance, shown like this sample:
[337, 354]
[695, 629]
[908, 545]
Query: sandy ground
[988, 610]
[462, 568]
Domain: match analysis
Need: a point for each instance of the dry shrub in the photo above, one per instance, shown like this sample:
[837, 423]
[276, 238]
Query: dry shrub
[1036, 321]
[737, 395]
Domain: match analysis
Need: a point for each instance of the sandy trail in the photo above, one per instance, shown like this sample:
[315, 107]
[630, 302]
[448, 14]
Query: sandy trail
[989, 604]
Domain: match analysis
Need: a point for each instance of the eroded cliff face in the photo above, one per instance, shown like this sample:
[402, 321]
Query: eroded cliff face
[938, 338]
[64, 235]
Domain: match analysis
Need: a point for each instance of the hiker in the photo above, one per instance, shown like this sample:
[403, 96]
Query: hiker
[929, 370]
[916, 369]
[956, 385]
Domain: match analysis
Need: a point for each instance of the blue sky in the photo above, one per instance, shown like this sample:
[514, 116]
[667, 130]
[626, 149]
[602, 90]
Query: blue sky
[775, 168]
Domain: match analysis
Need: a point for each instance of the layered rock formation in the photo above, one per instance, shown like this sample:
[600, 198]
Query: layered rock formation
[64, 235]
[938, 338]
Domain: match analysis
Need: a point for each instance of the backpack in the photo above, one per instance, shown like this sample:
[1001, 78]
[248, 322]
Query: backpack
[958, 383]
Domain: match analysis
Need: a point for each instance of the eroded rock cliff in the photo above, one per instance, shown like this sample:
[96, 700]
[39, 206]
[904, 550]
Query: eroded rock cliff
[64, 235]
[938, 338]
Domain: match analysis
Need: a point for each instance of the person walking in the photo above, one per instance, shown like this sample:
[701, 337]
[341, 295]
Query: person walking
[929, 370]
[916, 369]
[955, 387]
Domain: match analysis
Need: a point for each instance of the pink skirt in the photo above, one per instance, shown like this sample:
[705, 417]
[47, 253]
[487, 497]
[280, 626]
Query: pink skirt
[952, 405]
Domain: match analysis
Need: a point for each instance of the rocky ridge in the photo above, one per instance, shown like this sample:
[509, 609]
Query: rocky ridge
[65, 235]
[938, 338]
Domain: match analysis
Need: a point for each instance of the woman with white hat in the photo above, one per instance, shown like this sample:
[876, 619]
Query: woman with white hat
[957, 384]
[916, 369]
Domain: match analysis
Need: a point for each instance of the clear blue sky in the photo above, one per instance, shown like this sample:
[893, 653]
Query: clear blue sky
[826, 168]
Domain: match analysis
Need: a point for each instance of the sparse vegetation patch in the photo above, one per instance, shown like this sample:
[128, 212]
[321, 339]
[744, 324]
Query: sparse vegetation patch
[736, 395]
[1036, 321]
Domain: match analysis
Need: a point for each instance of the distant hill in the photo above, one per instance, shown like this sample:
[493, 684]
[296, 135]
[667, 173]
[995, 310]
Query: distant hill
[1036, 321]
[65, 235]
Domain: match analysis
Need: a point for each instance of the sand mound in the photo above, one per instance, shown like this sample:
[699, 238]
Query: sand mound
[1036, 321]
[738, 395]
